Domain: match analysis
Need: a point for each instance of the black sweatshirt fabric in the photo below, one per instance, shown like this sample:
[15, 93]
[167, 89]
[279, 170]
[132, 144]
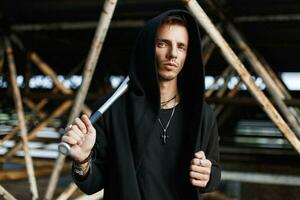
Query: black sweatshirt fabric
[161, 162]
[124, 131]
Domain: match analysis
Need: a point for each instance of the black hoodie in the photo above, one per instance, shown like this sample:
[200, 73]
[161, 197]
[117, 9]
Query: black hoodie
[124, 130]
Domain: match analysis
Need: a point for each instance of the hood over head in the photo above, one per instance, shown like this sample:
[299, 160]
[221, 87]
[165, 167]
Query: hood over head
[143, 72]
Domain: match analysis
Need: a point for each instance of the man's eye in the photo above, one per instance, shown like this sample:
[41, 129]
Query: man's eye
[161, 44]
[182, 48]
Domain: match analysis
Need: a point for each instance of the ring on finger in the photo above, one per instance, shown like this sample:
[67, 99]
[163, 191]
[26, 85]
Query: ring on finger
[201, 162]
[68, 127]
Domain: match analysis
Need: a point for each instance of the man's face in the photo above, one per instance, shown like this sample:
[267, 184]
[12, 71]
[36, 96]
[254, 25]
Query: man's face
[171, 50]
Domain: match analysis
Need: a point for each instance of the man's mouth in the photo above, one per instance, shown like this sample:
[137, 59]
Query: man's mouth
[170, 64]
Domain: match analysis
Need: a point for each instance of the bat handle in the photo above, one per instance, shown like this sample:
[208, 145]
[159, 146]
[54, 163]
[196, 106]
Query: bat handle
[64, 148]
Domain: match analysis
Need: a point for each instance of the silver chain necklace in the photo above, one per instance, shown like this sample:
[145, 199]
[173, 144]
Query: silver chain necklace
[164, 136]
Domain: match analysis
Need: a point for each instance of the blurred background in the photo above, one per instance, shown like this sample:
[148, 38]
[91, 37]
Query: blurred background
[48, 42]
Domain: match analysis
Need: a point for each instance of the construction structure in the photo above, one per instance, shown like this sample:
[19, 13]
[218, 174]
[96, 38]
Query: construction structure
[58, 57]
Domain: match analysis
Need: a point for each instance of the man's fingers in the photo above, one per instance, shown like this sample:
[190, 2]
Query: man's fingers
[68, 127]
[78, 132]
[198, 183]
[196, 161]
[69, 140]
[199, 169]
[206, 163]
[76, 136]
[200, 155]
[87, 122]
[81, 125]
[199, 176]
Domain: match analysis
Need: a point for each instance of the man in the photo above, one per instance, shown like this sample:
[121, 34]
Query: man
[159, 140]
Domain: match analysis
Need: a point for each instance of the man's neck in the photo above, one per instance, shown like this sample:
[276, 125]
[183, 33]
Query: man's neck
[168, 89]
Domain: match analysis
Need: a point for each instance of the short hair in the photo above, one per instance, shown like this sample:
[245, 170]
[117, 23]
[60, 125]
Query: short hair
[175, 20]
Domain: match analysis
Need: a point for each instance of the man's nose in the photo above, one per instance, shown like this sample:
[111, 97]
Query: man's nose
[173, 52]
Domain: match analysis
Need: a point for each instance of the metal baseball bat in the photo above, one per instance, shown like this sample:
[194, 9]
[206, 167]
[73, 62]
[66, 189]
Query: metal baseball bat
[65, 148]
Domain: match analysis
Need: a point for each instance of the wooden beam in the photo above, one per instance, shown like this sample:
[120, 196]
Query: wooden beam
[207, 52]
[95, 196]
[233, 60]
[36, 108]
[274, 77]
[27, 75]
[214, 86]
[278, 82]
[14, 131]
[10, 135]
[68, 192]
[56, 113]
[12, 175]
[6, 195]
[38, 162]
[46, 69]
[208, 46]
[268, 18]
[260, 70]
[102, 27]
[51, 95]
[230, 94]
[205, 41]
[262, 178]
[105, 18]
[134, 23]
[246, 101]
[20, 114]
[224, 88]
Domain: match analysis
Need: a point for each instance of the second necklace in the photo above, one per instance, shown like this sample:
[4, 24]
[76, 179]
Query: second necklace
[164, 136]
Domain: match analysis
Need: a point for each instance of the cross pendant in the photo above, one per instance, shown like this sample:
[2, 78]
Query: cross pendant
[164, 137]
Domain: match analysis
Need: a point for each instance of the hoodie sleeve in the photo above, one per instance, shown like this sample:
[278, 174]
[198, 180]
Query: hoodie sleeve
[211, 149]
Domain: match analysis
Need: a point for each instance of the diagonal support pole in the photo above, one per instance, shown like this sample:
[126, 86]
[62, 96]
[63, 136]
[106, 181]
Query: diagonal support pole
[35, 109]
[208, 52]
[46, 69]
[231, 57]
[275, 92]
[101, 30]
[56, 113]
[278, 82]
[224, 88]
[230, 94]
[5, 194]
[214, 86]
[20, 113]
[68, 192]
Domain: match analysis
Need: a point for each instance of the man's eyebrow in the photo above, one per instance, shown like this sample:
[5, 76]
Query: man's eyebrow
[182, 44]
[168, 41]
[163, 40]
